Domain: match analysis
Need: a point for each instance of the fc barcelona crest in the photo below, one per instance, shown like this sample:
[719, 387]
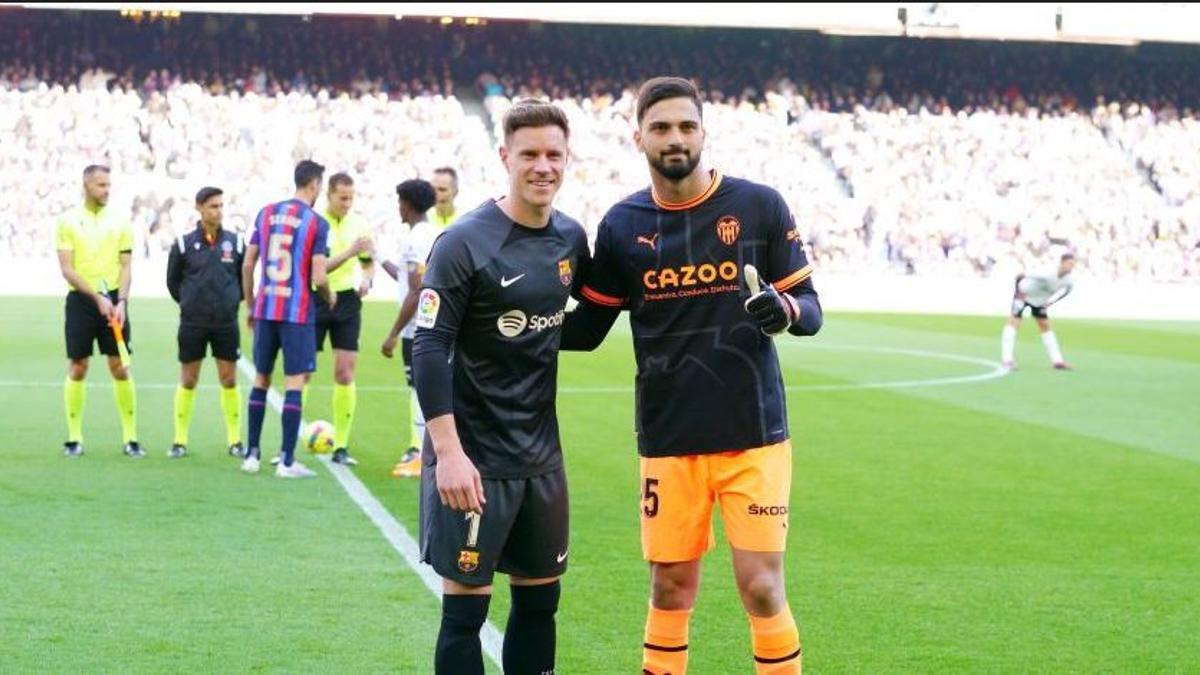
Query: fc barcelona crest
[728, 229]
[468, 560]
[564, 272]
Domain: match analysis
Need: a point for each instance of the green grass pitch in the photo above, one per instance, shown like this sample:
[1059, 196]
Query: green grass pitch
[1037, 522]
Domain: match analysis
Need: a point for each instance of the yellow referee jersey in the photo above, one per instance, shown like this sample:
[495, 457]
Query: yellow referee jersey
[342, 234]
[97, 239]
[440, 222]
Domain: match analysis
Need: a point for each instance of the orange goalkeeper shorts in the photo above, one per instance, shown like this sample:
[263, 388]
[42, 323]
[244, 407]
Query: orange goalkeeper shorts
[678, 493]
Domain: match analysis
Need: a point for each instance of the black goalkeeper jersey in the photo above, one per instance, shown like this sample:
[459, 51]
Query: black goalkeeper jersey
[492, 300]
[708, 380]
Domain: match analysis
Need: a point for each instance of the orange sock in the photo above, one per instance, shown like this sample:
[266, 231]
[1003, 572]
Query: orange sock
[776, 644]
[665, 649]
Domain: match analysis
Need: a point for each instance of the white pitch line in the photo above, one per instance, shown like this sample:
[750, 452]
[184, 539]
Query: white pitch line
[996, 371]
[490, 637]
[17, 384]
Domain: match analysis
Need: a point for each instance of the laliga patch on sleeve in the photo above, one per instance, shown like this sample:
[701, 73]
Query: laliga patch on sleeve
[427, 308]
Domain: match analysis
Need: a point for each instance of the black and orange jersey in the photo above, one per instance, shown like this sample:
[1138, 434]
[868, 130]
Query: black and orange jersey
[708, 380]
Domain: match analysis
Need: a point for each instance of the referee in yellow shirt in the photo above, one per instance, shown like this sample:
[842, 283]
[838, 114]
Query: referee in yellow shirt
[445, 188]
[351, 273]
[95, 249]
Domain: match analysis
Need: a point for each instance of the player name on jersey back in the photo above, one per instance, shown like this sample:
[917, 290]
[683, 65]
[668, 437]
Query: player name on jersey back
[289, 234]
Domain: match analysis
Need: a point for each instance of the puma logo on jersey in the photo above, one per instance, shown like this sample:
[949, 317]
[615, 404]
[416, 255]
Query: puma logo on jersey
[651, 241]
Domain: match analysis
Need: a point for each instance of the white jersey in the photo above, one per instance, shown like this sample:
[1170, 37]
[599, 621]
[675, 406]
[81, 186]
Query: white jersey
[413, 249]
[1043, 289]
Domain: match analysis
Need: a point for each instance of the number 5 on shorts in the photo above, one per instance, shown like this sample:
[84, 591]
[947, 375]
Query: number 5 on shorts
[650, 498]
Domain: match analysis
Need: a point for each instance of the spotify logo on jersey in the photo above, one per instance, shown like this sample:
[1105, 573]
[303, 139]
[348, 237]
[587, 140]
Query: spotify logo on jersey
[512, 323]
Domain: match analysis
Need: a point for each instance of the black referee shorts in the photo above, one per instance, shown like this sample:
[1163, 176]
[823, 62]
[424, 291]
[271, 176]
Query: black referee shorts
[523, 531]
[85, 325]
[194, 342]
[343, 324]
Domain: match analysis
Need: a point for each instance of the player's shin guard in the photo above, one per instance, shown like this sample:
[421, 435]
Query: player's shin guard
[776, 644]
[1008, 339]
[418, 421]
[1052, 350]
[126, 408]
[290, 419]
[256, 410]
[665, 649]
[185, 401]
[529, 638]
[345, 399]
[458, 650]
[74, 398]
[231, 405]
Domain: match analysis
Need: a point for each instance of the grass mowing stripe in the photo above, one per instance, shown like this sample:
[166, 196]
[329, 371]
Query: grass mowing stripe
[1016, 525]
[395, 534]
[995, 371]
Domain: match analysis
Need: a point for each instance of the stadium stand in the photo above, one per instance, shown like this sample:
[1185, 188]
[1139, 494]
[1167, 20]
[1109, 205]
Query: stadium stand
[892, 158]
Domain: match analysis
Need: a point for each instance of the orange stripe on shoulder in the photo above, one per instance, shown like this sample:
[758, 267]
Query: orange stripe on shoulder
[792, 279]
[691, 203]
[601, 299]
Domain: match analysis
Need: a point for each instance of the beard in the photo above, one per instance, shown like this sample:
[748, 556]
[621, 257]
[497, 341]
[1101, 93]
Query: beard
[676, 171]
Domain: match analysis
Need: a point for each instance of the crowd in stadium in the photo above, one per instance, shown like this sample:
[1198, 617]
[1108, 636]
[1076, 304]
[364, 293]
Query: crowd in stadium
[889, 157]
[161, 147]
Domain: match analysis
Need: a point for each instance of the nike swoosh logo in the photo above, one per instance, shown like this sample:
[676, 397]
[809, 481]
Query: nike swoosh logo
[505, 283]
[561, 556]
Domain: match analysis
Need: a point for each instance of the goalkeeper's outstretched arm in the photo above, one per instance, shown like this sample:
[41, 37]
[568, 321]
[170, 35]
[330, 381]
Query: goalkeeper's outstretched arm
[586, 327]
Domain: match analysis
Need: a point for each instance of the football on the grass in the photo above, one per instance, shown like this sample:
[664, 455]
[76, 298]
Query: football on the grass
[318, 437]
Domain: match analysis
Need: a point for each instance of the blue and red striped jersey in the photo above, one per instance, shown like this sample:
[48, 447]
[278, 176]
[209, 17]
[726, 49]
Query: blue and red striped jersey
[288, 234]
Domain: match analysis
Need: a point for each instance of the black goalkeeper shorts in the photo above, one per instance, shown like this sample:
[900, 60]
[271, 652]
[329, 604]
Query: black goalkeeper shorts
[522, 532]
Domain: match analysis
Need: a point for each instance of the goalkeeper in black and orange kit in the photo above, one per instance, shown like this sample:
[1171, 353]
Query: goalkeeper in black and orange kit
[684, 256]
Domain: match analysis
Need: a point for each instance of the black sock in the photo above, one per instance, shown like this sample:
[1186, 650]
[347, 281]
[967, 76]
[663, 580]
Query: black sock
[458, 650]
[529, 638]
